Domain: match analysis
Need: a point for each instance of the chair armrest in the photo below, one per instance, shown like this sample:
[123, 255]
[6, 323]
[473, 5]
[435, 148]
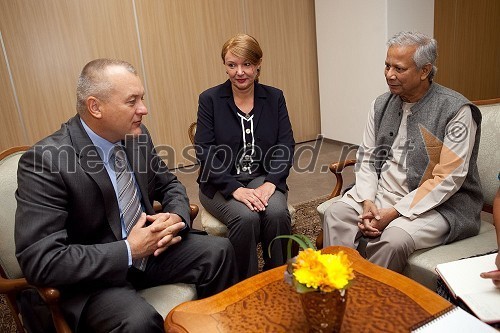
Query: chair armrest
[51, 297]
[157, 207]
[12, 285]
[337, 168]
[192, 132]
[193, 211]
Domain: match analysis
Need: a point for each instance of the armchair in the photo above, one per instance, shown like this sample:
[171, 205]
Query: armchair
[163, 298]
[422, 263]
[337, 169]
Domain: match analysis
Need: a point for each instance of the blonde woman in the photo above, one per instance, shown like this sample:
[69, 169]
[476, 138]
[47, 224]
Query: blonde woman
[245, 145]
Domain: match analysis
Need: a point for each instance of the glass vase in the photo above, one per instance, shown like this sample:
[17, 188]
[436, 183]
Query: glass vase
[324, 311]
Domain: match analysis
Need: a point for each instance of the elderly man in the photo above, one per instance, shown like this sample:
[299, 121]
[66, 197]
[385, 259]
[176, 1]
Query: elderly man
[85, 221]
[417, 183]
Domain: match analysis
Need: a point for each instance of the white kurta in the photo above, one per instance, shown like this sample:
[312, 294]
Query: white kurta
[425, 225]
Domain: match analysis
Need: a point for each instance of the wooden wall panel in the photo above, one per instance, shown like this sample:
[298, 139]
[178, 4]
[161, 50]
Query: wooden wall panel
[48, 42]
[181, 44]
[469, 46]
[12, 129]
[287, 34]
[178, 56]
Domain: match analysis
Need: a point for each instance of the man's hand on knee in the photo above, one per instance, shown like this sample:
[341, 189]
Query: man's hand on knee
[374, 220]
[386, 216]
[167, 225]
[370, 210]
[156, 237]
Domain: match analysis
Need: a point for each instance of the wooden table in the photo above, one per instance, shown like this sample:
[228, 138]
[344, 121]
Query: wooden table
[379, 300]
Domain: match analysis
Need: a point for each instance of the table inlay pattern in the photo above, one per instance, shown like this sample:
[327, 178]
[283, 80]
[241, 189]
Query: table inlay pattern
[371, 307]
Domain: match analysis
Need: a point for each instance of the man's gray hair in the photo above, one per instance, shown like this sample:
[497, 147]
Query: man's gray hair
[93, 81]
[426, 52]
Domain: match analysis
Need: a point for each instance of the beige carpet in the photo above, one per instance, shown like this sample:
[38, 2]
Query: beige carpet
[306, 223]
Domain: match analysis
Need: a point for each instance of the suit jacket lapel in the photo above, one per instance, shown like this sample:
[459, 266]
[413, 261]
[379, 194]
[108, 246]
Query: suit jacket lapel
[258, 103]
[92, 164]
[227, 93]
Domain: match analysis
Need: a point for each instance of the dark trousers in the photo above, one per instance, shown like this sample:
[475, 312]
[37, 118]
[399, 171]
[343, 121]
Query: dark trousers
[247, 228]
[205, 261]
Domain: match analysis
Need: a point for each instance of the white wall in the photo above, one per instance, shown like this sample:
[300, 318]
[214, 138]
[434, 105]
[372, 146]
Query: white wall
[351, 38]
[410, 15]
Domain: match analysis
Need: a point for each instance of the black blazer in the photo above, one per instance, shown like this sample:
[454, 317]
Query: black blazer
[218, 138]
[68, 230]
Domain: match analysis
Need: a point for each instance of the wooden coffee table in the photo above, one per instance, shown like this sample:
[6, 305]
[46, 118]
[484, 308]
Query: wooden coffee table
[379, 300]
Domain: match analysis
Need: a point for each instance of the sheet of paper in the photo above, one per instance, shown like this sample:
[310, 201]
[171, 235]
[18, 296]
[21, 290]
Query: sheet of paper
[485, 305]
[462, 276]
[463, 280]
[456, 320]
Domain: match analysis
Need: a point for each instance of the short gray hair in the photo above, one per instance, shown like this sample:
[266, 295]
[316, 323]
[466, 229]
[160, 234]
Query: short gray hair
[426, 52]
[93, 82]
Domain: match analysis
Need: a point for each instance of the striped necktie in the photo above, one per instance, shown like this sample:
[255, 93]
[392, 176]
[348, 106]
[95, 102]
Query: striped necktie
[128, 198]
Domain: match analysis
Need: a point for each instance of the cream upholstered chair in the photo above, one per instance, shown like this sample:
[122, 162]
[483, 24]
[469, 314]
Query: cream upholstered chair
[209, 223]
[163, 298]
[11, 277]
[422, 263]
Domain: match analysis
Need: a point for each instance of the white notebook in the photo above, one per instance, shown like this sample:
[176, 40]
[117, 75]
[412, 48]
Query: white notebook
[463, 280]
[455, 321]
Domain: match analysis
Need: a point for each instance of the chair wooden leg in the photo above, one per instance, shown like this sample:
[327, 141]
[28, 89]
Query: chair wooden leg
[51, 297]
[59, 322]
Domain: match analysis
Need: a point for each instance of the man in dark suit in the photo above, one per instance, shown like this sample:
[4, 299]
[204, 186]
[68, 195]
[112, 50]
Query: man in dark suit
[74, 229]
